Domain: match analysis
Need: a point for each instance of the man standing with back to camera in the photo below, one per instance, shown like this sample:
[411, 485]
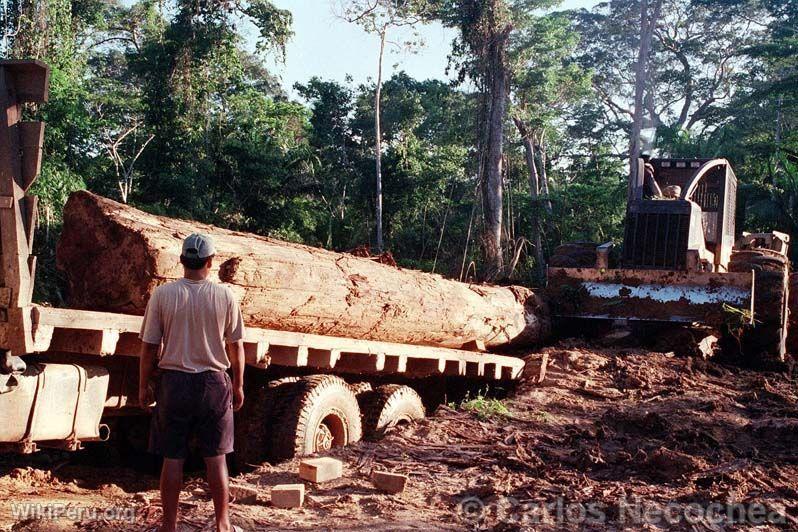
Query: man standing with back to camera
[199, 324]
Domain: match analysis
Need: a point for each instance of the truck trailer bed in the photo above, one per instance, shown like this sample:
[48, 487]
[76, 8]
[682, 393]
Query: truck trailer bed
[105, 334]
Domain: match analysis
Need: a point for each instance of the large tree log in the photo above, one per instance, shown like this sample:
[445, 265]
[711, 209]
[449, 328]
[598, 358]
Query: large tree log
[114, 256]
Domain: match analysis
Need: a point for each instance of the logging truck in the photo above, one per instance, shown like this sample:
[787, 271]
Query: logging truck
[69, 375]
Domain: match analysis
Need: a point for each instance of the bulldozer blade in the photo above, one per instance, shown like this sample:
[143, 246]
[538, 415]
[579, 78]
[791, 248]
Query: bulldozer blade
[651, 295]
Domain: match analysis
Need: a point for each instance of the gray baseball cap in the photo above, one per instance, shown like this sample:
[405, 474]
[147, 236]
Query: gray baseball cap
[198, 246]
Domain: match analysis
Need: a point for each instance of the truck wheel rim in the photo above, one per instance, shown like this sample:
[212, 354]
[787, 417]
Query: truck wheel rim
[330, 432]
[323, 438]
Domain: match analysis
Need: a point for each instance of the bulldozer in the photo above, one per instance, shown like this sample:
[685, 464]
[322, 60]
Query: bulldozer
[681, 260]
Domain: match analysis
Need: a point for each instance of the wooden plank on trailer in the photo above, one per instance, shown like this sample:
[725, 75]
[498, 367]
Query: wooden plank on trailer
[255, 353]
[323, 358]
[42, 337]
[31, 135]
[351, 345]
[12, 234]
[395, 364]
[16, 252]
[423, 367]
[30, 79]
[86, 319]
[475, 345]
[288, 355]
[87, 342]
[265, 346]
[128, 344]
[6, 329]
[361, 362]
[19, 330]
[31, 217]
[5, 297]
[32, 270]
[454, 367]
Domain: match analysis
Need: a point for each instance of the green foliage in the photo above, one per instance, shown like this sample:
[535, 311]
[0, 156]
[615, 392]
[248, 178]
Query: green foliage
[591, 206]
[168, 103]
[485, 408]
[274, 25]
[263, 166]
[56, 182]
[546, 78]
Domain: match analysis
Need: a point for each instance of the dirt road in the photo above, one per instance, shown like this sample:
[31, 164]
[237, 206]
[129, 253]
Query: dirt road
[613, 439]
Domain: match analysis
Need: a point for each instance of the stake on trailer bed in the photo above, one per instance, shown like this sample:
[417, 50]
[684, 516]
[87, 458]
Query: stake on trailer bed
[30, 328]
[20, 160]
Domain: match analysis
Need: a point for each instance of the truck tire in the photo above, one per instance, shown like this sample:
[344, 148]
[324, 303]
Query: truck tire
[318, 413]
[360, 387]
[764, 344]
[254, 421]
[756, 259]
[387, 406]
[574, 255]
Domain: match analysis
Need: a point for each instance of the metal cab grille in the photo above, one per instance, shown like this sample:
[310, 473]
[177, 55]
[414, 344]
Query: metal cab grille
[656, 240]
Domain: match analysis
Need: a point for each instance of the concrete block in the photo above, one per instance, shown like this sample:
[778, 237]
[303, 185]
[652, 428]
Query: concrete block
[389, 482]
[243, 494]
[288, 495]
[320, 469]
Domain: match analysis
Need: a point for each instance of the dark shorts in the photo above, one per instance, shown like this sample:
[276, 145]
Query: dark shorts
[195, 407]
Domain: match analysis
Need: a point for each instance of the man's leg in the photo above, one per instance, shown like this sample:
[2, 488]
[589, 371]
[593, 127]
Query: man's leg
[171, 485]
[216, 467]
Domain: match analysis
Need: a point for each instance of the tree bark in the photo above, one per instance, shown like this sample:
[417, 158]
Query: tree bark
[647, 25]
[491, 172]
[534, 190]
[378, 144]
[114, 256]
[544, 175]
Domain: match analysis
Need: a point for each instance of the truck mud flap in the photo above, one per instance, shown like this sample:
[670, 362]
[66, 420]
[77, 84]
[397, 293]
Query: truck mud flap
[651, 295]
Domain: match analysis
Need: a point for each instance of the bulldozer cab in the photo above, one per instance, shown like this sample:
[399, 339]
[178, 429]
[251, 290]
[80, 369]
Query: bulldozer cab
[680, 215]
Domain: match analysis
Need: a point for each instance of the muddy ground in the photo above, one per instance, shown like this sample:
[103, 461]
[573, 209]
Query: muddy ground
[614, 438]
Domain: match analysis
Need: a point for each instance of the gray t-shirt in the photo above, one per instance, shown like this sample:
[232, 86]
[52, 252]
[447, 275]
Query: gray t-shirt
[194, 319]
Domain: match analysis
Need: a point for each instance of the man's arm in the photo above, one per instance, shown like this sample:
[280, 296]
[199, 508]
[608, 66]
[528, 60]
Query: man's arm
[151, 335]
[148, 361]
[235, 350]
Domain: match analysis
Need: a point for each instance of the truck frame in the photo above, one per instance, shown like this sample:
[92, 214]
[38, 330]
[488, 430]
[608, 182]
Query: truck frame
[82, 366]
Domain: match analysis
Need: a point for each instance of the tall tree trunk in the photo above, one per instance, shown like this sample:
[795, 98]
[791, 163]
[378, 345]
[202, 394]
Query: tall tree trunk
[491, 174]
[647, 25]
[544, 174]
[534, 187]
[378, 144]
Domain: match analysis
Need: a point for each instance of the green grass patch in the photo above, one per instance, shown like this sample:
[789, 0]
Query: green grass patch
[482, 406]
